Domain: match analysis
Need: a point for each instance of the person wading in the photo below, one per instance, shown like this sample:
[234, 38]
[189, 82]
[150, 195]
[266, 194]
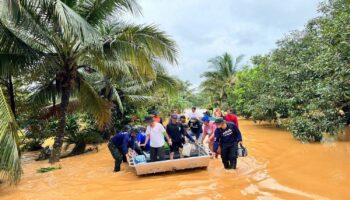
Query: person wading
[227, 136]
[177, 134]
[156, 132]
[231, 117]
[119, 146]
[208, 130]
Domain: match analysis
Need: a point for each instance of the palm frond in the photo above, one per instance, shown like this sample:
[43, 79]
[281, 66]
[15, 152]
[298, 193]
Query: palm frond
[61, 21]
[91, 102]
[116, 98]
[10, 165]
[139, 98]
[43, 94]
[97, 11]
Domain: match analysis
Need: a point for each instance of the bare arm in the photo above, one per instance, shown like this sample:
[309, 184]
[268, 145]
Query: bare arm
[146, 141]
[168, 138]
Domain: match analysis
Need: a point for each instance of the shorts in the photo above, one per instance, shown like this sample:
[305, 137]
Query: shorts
[176, 146]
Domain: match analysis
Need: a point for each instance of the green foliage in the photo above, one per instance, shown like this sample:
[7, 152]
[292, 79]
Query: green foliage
[10, 164]
[89, 134]
[221, 79]
[304, 80]
[37, 131]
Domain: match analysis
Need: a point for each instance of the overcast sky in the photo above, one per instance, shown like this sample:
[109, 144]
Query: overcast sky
[206, 28]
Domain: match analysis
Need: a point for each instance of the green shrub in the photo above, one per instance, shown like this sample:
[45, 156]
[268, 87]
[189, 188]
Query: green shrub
[305, 129]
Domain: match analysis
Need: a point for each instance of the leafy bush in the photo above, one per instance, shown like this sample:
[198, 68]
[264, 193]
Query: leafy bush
[305, 129]
[36, 132]
[89, 134]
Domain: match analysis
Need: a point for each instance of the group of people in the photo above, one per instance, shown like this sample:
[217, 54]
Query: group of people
[222, 133]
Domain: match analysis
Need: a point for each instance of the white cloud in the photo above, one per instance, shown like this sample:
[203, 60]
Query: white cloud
[205, 28]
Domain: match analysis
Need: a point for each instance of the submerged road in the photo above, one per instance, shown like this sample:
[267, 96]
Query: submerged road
[278, 167]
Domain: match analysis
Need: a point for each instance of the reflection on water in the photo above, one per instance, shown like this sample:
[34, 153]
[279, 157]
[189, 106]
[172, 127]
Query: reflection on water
[278, 168]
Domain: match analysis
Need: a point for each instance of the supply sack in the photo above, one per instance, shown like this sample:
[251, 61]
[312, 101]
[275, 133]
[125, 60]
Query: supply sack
[186, 151]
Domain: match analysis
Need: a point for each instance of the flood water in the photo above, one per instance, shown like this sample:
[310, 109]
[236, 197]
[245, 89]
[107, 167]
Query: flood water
[278, 167]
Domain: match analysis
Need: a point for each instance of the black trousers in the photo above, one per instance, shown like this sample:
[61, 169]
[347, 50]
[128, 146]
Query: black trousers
[229, 155]
[157, 154]
[117, 155]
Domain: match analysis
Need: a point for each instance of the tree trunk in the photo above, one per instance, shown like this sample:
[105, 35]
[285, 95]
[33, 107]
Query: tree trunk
[66, 82]
[11, 93]
[56, 152]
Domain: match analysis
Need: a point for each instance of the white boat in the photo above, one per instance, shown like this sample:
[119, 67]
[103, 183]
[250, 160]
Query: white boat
[199, 158]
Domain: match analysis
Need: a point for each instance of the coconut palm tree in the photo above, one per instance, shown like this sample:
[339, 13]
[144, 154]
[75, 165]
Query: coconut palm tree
[221, 79]
[67, 37]
[10, 168]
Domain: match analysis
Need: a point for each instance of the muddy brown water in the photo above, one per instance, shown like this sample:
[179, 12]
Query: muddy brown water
[278, 167]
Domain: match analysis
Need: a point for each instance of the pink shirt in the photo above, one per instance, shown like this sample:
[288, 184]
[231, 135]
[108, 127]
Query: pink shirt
[209, 130]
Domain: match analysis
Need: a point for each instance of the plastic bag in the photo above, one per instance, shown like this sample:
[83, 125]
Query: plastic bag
[140, 159]
[242, 151]
[186, 151]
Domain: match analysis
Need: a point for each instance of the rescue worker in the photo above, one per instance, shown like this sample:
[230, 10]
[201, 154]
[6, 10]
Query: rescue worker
[156, 132]
[228, 137]
[119, 146]
[196, 128]
[177, 133]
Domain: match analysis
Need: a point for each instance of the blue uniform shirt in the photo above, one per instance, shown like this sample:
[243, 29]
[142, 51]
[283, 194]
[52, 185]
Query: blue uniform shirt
[141, 138]
[227, 136]
[123, 141]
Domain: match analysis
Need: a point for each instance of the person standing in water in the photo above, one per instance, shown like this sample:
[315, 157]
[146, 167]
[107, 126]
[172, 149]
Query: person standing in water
[208, 130]
[177, 134]
[231, 117]
[228, 137]
[119, 146]
[193, 113]
[156, 132]
[217, 113]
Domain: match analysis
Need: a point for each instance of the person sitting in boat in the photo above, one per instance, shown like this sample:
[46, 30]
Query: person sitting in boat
[141, 138]
[119, 146]
[228, 137]
[177, 134]
[208, 130]
[156, 132]
[196, 127]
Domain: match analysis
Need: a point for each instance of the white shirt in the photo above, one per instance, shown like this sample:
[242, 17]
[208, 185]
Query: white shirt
[156, 135]
[193, 114]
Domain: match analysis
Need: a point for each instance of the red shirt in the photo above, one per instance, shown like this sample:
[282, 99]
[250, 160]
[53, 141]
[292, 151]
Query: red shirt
[232, 118]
